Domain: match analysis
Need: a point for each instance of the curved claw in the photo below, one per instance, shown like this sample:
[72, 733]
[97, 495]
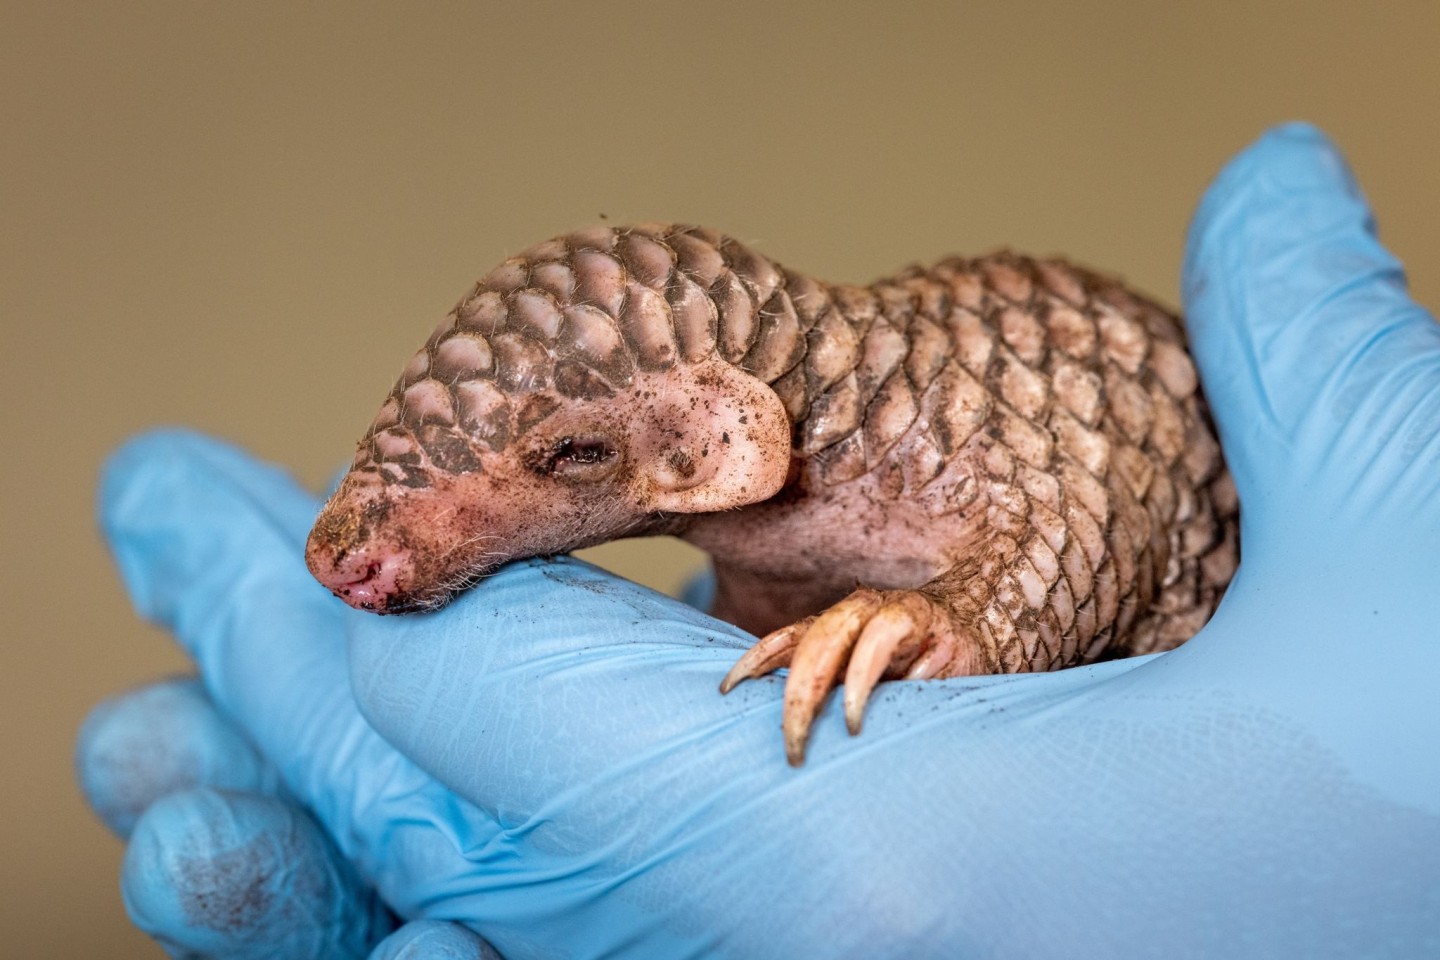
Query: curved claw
[894, 634]
[770, 653]
[869, 635]
[818, 659]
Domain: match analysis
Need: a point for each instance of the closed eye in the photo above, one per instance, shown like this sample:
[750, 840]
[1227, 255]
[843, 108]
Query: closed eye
[578, 456]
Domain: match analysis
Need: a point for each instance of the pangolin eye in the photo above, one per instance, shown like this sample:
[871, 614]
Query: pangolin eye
[574, 454]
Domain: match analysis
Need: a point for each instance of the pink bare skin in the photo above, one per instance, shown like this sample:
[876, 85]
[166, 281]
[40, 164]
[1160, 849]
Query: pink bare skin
[989, 465]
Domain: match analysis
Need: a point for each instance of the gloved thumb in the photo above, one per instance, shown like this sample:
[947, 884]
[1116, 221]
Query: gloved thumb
[1322, 373]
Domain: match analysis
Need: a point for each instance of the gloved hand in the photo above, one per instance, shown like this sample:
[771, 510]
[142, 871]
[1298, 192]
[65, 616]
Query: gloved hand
[547, 761]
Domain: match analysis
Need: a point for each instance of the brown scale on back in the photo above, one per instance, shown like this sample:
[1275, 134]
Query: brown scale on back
[1039, 419]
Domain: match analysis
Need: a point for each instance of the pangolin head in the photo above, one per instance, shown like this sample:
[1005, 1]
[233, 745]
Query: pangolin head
[582, 391]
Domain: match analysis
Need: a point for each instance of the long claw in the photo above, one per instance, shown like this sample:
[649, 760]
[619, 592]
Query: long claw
[818, 659]
[769, 654]
[895, 624]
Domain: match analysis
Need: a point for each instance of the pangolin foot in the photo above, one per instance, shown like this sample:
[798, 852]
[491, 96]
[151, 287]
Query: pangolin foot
[870, 635]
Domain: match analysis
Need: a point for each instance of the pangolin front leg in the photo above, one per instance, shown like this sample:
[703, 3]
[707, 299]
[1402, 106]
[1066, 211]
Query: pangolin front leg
[868, 636]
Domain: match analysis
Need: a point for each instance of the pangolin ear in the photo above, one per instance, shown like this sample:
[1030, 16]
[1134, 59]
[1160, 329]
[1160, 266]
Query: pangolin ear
[716, 438]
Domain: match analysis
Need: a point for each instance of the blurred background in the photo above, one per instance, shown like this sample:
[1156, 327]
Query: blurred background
[244, 217]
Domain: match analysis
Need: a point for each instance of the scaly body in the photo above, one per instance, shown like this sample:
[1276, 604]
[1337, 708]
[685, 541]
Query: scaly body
[1009, 456]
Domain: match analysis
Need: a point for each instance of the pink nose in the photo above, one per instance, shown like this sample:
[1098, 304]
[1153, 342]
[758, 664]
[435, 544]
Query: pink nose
[365, 578]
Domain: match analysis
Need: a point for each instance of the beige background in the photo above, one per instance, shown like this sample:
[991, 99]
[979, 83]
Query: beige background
[243, 217]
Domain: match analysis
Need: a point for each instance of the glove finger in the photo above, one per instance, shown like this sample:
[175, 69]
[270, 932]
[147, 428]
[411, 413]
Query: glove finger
[234, 499]
[1306, 337]
[236, 875]
[167, 737]
[434, 940]
[210, 542]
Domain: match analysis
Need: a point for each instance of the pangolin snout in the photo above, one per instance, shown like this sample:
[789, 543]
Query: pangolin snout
[367, 576]
[399, 550]
[349, 553]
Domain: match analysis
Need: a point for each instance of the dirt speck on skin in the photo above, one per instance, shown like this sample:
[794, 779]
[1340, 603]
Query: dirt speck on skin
[343, 531]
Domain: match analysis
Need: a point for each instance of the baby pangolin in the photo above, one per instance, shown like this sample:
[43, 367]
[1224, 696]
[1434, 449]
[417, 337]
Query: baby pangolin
[988, 465]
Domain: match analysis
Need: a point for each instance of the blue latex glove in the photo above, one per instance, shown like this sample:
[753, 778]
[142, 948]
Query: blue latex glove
[547, 761]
